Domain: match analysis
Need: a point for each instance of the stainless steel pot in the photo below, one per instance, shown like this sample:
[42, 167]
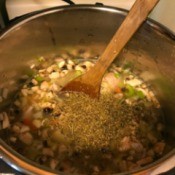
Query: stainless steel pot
[151, 51]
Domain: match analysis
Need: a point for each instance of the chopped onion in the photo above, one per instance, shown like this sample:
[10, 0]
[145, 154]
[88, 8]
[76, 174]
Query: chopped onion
[6, 122]
[26, 138]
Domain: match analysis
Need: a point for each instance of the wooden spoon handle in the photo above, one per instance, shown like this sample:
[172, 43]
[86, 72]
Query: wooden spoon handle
[134, 19]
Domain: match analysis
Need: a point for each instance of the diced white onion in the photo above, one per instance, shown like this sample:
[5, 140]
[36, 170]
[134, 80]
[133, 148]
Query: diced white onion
[26, 138]
[6, 122]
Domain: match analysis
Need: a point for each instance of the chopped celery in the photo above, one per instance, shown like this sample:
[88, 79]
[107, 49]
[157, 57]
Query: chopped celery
[116, 74]
[39, 78]
[140, 94]
[130, 91]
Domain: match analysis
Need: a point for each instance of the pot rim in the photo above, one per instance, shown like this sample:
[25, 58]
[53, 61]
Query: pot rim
[16, 22]
[22, 164]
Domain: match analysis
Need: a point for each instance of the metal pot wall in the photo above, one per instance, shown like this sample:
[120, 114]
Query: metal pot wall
[151, 51]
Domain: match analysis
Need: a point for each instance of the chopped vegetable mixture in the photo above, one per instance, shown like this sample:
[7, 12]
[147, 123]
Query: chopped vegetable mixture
[71, 132]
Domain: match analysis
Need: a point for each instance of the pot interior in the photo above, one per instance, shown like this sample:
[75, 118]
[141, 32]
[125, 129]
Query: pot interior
[150, 52]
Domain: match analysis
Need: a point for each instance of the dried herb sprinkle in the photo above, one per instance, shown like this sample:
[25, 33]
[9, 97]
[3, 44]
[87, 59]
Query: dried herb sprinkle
[92, 124]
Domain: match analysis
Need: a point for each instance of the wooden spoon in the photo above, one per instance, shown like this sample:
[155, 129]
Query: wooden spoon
[90, 82]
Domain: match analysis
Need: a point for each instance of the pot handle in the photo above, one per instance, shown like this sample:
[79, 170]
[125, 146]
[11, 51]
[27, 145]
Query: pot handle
[69, 2]
[4, 19]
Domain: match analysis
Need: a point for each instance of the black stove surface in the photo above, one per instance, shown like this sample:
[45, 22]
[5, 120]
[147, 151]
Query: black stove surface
[6, 169]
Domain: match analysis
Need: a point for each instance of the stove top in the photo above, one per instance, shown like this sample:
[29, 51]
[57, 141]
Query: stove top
[7, 170]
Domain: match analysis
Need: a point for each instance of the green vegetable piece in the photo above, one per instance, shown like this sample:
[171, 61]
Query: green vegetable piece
[140, 94]
[130, 91]
[117, 75]
[39, 78]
